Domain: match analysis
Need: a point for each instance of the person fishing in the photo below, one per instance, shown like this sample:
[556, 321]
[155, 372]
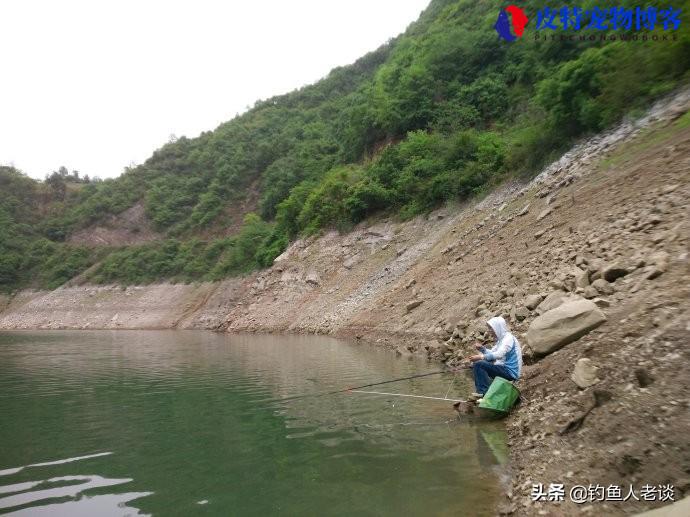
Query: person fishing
[504, 359]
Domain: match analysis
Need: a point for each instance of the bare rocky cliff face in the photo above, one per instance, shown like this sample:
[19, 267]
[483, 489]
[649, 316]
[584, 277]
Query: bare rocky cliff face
[130, 227]
[160, 306]
[588, 262]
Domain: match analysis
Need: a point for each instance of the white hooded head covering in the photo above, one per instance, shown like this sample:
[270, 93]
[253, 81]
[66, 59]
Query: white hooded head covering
[500, 327]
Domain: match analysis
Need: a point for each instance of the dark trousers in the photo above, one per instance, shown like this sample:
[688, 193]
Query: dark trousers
[484, 373]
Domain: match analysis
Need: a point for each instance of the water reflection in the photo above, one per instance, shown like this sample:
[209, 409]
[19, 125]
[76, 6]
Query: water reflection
[15, 470]
[65, 495]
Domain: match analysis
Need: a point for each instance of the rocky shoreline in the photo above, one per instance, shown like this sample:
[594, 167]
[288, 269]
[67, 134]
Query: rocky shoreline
[588, 262]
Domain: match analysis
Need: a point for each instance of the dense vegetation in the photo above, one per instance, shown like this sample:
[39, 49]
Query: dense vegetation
[27, 255]
[437, 114]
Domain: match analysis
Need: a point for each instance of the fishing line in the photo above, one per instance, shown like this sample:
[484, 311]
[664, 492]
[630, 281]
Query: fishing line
[359, 387]
[450, 385]
[377, 426]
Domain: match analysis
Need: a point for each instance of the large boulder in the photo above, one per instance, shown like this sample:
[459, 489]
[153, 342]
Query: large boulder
[562, 325]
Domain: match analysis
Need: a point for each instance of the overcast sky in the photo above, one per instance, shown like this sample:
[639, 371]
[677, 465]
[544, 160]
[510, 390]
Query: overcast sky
[96, 85]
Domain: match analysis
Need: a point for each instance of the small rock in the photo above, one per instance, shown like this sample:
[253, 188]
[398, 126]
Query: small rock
[482, 311]
[524, 210]
[659, 264]
[613, 271]
[544, 213]
[590, 292]
[585, 373]
[569, 284]
[401, 350]
[557, 284]
[602, 286]
[413, 305]
[594, 266]
[582, 279]
[643, 377]
[601, 302]
[658, 237]
[521, 313]
[436, 349]
[532, 301]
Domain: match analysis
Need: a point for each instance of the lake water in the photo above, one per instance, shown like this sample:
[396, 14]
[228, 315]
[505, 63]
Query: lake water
[191, 423]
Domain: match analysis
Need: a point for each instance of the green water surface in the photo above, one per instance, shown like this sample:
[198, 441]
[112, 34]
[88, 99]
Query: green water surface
[191, 423]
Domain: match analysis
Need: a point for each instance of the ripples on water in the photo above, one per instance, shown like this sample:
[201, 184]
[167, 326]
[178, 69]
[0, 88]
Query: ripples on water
[180, 423]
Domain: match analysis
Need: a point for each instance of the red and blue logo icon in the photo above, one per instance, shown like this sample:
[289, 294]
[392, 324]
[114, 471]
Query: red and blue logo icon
[511, 23]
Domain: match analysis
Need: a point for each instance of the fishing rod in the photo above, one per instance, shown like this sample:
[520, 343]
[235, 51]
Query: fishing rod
[445, 399]
[359, 387]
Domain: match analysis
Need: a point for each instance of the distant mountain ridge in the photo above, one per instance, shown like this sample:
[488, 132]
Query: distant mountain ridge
[439, 113]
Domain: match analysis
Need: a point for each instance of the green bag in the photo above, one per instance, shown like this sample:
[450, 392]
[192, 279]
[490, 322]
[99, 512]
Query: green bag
[500, 397]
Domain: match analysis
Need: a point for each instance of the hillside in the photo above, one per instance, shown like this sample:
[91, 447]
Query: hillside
[439, 114]
[606, 226]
